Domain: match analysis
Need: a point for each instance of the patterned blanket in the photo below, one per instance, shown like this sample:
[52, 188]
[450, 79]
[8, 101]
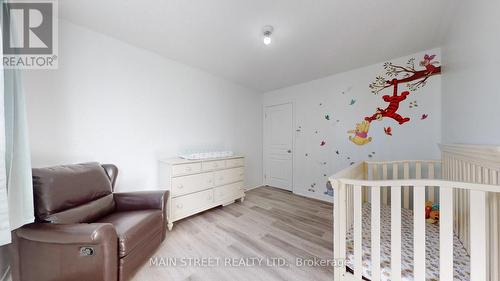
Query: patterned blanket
[461, 257]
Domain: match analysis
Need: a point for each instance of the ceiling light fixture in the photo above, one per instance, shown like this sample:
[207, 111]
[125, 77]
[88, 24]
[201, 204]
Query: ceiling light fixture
[267, 31]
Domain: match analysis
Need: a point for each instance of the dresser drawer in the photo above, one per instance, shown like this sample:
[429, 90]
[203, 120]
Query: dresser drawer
[213, 165]
[191, 183]
[186, 169]
[237, 162]
[187, 205]
[229, 176]
[228, 192]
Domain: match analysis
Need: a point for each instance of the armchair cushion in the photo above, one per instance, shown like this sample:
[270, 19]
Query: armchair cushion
[61, 188]
[87, 212]
[135, 228]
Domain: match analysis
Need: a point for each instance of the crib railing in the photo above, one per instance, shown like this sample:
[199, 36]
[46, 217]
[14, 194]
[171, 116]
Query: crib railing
[369, 181]
[392, 170]
[476, 164]
[404, 169]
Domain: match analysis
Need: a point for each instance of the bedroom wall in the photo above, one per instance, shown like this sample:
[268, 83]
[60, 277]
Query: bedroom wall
[115, 103]
[471, 93]
[346, 98]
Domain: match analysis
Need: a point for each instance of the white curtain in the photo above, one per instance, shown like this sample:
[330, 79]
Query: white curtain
[17, 152]
[16, 191]
[4, 206]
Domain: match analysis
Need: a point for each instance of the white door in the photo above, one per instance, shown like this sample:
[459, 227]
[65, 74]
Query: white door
[278, 144]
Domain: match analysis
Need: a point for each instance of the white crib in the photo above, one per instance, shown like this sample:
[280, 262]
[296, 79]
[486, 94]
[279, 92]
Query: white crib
[464, 182]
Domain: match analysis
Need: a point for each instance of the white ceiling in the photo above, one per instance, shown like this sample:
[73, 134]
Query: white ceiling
[312, 38]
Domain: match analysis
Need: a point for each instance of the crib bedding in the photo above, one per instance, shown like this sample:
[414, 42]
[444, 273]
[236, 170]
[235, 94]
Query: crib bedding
[461, 257]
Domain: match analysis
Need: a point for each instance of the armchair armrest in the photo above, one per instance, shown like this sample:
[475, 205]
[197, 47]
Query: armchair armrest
[82, 233]
[141, 200]
[144, 200]
[67, 252]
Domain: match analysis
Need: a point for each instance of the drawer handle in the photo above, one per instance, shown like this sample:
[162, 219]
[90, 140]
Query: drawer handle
[216, 165]
[221, 178]
[180, 186]
[241, 174]
[188, 169]
[209, 197]
[210, 180]
[179, 206]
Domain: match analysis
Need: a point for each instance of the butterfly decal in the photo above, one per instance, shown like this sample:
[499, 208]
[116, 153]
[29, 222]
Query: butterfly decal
[322, 143]
[353, 101]
[424, 116]
[327, 117]
[388, 131]
[429, 58]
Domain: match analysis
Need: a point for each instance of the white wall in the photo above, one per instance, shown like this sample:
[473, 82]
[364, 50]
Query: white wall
[471, 59]
[416, 139]
[115, 103]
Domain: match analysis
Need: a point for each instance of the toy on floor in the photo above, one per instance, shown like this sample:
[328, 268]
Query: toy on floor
[329, 189]
[431, 212]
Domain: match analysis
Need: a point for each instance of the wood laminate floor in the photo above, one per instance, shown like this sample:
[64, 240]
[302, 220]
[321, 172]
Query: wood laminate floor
[226, 243]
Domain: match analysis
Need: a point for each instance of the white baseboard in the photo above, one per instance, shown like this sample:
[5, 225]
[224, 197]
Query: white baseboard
[250, 188]
[317, 196]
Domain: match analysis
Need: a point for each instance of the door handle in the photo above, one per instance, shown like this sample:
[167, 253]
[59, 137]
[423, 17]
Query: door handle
[289, 151]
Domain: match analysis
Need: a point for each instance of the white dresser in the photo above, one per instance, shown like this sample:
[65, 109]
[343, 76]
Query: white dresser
[198, 185]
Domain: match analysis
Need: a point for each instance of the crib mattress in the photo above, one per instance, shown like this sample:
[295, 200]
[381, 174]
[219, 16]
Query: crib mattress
[461, 257]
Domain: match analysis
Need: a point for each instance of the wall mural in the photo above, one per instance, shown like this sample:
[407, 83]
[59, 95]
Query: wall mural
[396, 112]
[395, 75]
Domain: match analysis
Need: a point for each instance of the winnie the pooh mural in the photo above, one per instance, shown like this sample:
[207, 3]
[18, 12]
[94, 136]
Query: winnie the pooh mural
[361, 133]
[395, 75]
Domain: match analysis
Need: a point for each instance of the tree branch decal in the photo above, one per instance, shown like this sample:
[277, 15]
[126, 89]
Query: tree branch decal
[395, 75]
[414, 79]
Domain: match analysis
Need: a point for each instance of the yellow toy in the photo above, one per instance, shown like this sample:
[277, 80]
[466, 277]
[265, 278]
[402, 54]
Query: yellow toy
[434, 215]
[360, 133]
[431, 212]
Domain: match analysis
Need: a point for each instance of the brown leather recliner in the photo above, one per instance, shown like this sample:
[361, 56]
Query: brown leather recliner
[84, 231]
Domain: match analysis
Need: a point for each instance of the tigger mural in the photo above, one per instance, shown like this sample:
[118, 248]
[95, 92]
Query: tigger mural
[413, 78]
[392, 108]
